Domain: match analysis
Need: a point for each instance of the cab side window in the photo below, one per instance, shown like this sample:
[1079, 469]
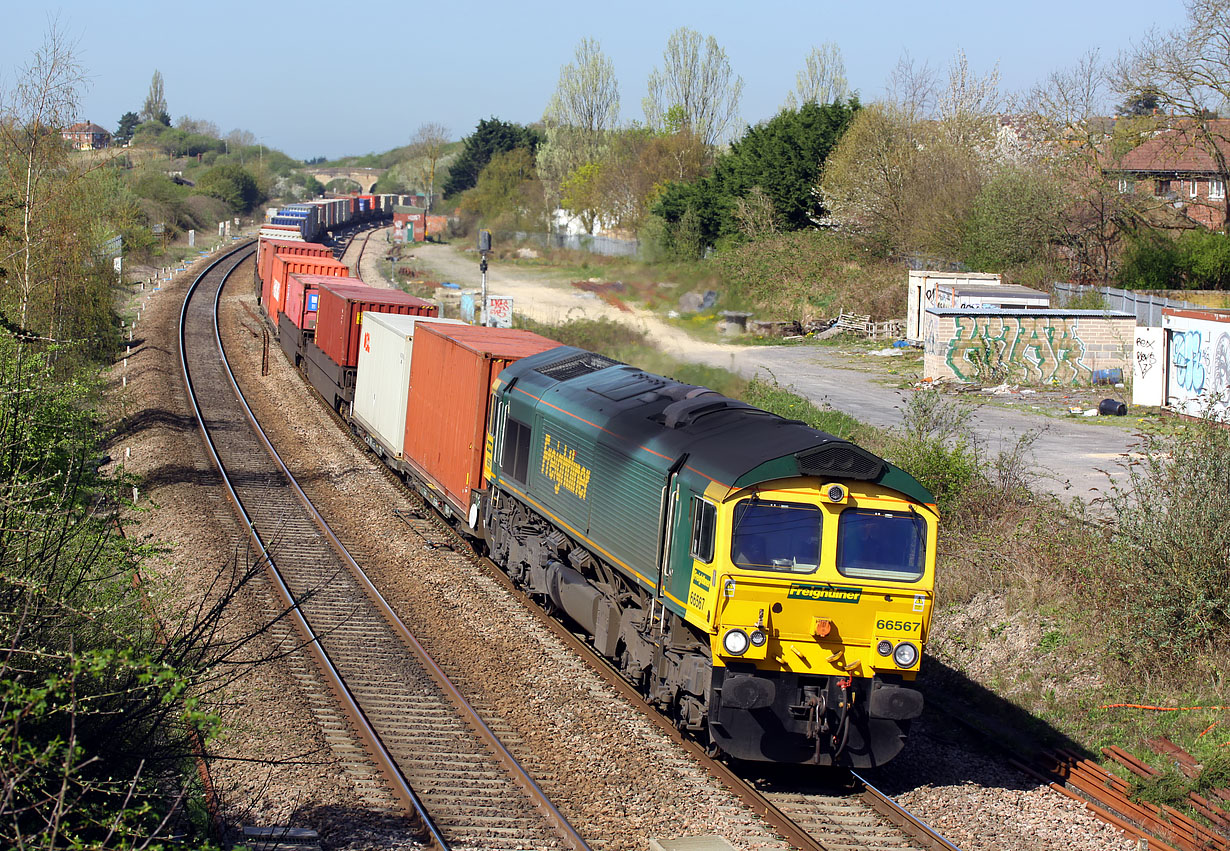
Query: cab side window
[704, 518]
[516, 450]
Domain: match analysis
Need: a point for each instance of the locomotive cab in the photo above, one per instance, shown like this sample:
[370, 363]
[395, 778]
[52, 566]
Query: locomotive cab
[818, 596]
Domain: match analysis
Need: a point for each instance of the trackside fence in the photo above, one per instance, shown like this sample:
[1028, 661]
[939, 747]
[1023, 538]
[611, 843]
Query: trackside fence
[1146, 306]
[605, 245]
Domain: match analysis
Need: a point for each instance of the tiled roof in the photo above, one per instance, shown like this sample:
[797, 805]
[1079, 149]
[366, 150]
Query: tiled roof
[86, 127]
[1181, 150]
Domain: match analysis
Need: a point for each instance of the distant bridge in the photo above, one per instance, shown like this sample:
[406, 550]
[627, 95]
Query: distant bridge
[365, 177]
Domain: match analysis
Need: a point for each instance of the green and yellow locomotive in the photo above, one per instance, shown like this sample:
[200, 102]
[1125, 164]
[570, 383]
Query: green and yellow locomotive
[767, 584]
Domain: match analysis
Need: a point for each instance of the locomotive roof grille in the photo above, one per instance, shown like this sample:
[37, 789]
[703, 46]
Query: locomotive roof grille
[841, 460]
[574, 366]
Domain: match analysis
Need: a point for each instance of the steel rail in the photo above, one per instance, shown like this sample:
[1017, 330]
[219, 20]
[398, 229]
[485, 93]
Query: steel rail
[903, 818]
[518, 773]
[377, 750]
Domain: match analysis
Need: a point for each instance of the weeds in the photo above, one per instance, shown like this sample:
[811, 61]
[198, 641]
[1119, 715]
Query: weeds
[1172, 540]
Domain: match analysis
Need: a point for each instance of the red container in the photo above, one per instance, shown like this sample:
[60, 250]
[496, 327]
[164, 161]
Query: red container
[273, 291]
[302, 297]
[446, 408]
[269, 247]
[339, 316]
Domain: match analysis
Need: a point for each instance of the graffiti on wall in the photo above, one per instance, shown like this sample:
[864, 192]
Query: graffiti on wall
[930, 331]
[1146, 358]
[1199, 370]
[1026, 349]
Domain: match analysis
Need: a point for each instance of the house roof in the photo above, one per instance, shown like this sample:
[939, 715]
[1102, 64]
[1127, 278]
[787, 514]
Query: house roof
[1179, 151]
[86, 127]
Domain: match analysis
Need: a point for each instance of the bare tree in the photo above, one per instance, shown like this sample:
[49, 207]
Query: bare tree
[155, 107]
[822, 79]
[1188, 70]
[755, 213]
[968, 106]
[427, 146]
[694, 88]
[239, 138]
[199, 126]
[586, 97]
[911, 87]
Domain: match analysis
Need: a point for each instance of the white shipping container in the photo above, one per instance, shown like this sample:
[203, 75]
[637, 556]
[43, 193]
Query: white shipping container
[382, 382]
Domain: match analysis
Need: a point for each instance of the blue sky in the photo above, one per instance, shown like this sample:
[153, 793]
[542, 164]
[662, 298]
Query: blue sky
[314, 79]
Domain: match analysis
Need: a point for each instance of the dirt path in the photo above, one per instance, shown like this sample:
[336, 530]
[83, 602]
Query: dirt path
[544, 297]
[1073, 456]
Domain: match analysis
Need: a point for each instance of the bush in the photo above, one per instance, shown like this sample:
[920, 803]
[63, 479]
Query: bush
[1197, 260]
[935, 447]
[232, 184]
[1205, 259]
[808, 273]
[1151, 262]
[1173, 538]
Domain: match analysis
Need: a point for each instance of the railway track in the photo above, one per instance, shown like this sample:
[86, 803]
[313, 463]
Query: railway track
[849, 815]
[433, 756]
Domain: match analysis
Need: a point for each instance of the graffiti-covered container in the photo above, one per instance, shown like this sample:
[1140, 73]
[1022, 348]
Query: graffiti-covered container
[1197, 360]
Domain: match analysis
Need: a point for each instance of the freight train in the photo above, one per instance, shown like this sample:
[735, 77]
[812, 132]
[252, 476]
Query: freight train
[312, 221]
[766, 585]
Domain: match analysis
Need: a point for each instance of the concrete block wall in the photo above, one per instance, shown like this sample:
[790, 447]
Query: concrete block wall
[1026, 346]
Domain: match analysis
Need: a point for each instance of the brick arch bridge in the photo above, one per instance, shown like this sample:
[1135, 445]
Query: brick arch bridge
[365, 177]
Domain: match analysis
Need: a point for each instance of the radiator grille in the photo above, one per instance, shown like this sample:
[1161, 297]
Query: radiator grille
[840, 460]
[574, 366]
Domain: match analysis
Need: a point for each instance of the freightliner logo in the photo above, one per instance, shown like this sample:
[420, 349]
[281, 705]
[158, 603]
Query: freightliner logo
[825, 593]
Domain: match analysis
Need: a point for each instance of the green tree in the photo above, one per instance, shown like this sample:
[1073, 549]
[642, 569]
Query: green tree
[232, 184]
[585, 102]
[581, 194]
[491, 137]
[155, 106]
[508, 193]
[783, 156]
[581, 114]
[1015, 220]
[128, 125]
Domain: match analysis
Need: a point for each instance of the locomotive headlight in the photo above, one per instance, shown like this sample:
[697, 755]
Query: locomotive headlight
[735, 642]
[758, 638]
[905, 655]
[885, 648]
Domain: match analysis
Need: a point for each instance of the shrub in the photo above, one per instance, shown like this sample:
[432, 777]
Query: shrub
[1173, 538]
[935, 446]
[1197, 260]
[808, 273]
[1151, 262]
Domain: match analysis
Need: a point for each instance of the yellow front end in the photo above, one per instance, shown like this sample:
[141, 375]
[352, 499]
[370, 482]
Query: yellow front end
[821, 619]
[818, 601]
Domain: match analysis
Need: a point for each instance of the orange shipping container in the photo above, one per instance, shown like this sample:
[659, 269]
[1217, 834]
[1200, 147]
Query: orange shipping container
[270, 247]
[339, 315]
[446, 408]
[290, 264]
